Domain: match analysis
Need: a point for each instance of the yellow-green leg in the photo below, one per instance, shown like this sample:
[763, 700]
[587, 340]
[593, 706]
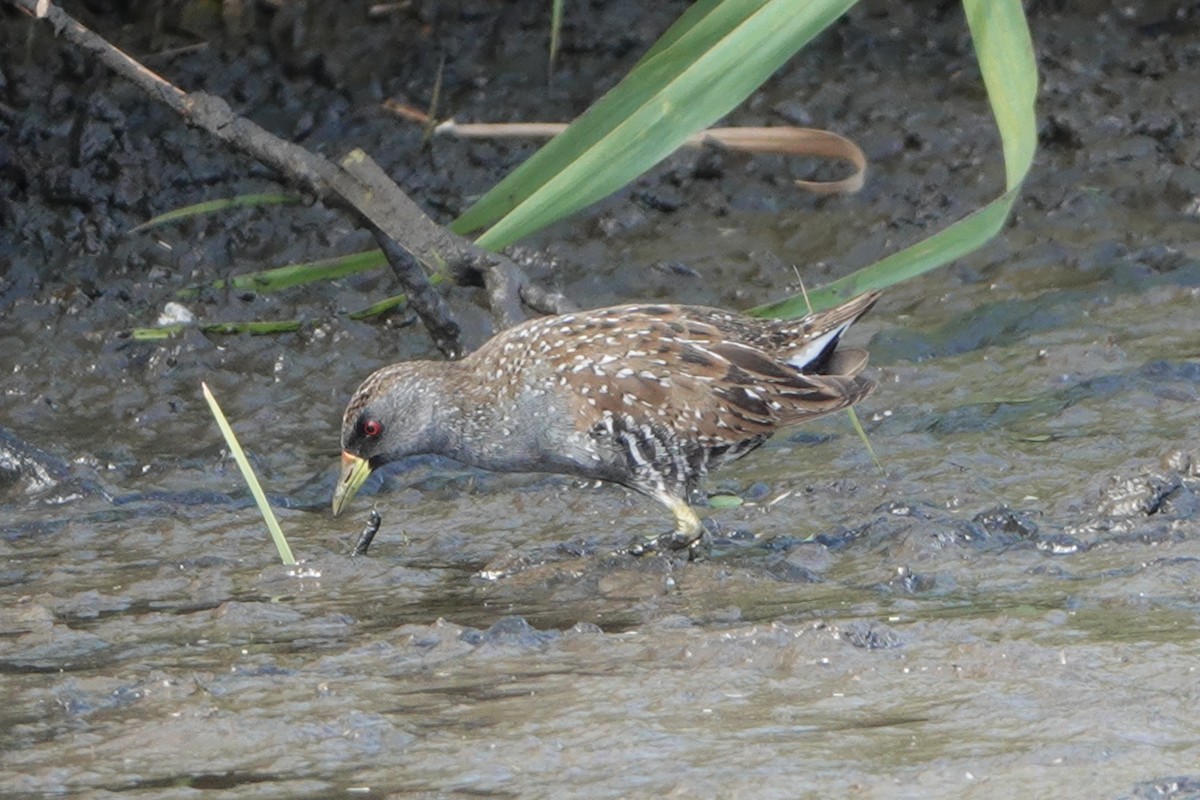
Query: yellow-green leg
[688, 529]
[688, 526]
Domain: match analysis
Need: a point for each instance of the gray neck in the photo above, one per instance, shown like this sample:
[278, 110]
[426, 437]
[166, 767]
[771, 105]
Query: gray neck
[485, 424]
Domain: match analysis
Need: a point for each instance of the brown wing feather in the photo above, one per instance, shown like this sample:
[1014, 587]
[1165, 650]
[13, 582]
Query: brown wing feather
[686, 374]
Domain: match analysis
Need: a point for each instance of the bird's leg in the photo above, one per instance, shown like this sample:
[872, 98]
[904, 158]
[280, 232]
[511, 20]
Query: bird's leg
[688, 526]
[687, 534]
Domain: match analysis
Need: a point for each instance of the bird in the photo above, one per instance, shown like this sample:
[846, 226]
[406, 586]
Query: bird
[649, 396]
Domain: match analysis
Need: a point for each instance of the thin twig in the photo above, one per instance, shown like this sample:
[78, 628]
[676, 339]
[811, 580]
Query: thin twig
[803, 290]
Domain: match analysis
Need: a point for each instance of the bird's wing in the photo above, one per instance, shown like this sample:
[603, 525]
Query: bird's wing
[660, 366]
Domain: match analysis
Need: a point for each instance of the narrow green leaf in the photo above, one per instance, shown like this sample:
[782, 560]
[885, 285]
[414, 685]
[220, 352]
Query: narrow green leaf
[712, 64]
[556, 18]
[383, 305]
[1002, 400]
[274, 280]
[260, 498]
[155, 334]
[1004, 50]
[253, 327]
[961, 238]
[862, 434]
[214, 206]
[1006, 61]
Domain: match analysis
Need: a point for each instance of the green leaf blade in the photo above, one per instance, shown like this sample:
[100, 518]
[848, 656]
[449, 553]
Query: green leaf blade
[260, 497]
[1004, 49]
[216, 206]
[1006, 61]
[709, 68]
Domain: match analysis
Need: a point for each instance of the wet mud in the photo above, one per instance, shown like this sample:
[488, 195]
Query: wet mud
[1009, 608]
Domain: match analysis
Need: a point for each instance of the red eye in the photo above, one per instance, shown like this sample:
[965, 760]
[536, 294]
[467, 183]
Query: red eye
[372, 428]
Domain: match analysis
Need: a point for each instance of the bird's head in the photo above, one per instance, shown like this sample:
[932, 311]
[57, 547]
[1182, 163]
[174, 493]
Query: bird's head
[388, 418]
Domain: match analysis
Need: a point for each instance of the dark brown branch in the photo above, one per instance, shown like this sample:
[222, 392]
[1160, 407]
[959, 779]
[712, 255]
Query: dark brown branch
[545, 301]
[357, 182]
[428, 304]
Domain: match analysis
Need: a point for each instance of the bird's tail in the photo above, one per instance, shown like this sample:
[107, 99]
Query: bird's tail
[819, 334]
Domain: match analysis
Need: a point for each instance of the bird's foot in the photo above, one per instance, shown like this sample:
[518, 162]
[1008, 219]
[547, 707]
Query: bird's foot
[368, 534]
[689, 537]
[693, 546]
[667, 543]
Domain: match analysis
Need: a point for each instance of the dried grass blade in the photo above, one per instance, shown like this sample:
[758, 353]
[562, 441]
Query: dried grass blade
[782, 140]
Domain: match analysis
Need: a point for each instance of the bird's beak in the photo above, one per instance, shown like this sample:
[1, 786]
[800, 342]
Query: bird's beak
[355, 471]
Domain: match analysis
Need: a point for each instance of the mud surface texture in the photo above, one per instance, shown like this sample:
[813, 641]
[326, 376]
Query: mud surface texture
[1010, 609]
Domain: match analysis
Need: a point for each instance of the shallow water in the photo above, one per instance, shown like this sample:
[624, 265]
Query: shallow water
[1010, 608]
[883, 635]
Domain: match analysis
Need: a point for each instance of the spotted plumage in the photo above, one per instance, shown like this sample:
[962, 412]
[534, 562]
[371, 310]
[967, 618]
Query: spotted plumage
[648, 396]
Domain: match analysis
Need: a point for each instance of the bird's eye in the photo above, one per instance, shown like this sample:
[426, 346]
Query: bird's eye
[372, 428]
